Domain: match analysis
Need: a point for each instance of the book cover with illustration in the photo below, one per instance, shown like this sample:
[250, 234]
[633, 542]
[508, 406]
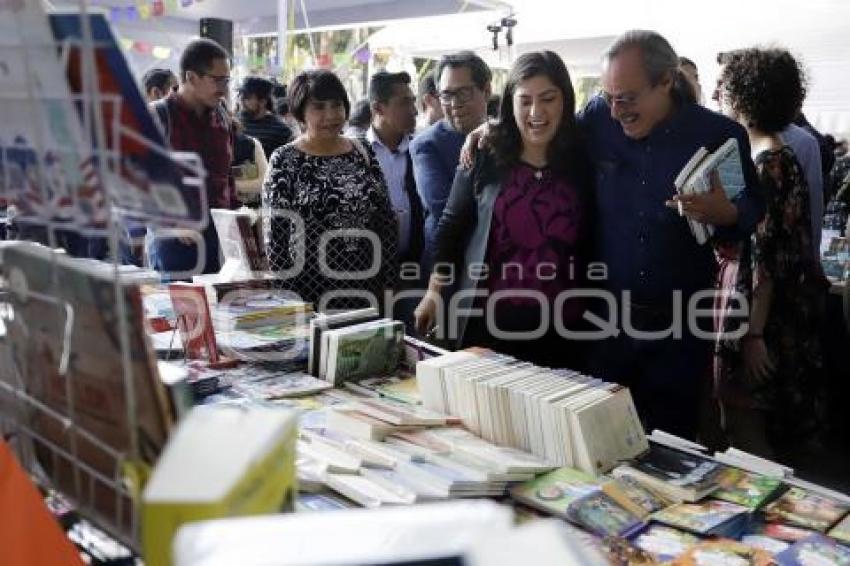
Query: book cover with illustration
[816, 550]
[802, 508]
[724, 551]
[705, 518]
[673, 473]
[366, 352]
[634, 496]
[555, 491]
[665, 543]
[194, 321]
[602, 516]
[746, 488]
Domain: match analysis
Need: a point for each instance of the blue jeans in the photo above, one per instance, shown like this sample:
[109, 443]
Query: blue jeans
[175, 260]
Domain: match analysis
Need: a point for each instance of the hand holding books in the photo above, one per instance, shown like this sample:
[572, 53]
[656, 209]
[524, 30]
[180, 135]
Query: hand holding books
[706, 186]
[711, 207]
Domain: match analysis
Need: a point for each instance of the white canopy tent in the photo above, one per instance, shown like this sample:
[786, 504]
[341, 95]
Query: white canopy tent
[174, 30]
[817, 32]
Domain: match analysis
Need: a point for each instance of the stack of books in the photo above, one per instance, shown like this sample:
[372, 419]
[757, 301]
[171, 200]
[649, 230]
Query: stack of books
[259, 312]
[407, 451]
[354, 345]
[676, 475]
[562, 416]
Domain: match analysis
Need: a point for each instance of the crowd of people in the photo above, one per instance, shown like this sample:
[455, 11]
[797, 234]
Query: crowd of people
[550, 232]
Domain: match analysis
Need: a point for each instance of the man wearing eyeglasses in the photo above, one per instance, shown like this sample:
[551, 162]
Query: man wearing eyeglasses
[641, 132]
[194, 119]
[463, 83]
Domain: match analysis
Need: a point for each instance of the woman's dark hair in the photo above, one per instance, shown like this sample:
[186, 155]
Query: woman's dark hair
[506, 141]
[767, 86]
[315, 85]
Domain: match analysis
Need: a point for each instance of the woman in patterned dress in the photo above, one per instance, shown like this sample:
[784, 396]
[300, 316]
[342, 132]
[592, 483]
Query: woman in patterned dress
[770, 380]
[331, 233]
[520, 213]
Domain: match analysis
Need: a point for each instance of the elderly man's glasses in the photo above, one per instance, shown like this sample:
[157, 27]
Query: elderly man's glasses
[625, 100]
[460, 95]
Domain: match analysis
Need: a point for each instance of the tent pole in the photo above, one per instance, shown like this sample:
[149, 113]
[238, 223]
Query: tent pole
[282, 30]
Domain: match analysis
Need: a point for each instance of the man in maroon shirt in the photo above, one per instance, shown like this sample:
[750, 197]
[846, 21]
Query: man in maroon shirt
[194, 119]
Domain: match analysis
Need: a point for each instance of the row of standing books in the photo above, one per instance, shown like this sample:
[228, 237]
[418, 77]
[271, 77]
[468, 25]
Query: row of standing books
[562, 416]
[354, 345]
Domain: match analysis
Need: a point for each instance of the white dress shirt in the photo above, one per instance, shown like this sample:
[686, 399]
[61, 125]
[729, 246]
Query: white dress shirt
[394, 166]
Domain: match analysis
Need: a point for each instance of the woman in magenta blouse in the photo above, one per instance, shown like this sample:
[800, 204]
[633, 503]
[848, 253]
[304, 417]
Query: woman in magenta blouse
[512, 241]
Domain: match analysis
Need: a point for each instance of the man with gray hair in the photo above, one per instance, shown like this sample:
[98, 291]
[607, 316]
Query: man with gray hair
[642, 129]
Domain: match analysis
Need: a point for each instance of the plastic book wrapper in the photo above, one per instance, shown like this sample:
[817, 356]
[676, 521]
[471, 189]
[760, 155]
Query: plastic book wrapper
[95, 371]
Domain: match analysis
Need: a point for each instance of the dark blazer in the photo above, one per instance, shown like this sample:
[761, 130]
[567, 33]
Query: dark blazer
[417, 216]
[464, 228]
[435, 152]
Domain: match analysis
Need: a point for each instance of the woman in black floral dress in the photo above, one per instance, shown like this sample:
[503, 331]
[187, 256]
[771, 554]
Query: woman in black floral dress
[330, 230]
[770, 380]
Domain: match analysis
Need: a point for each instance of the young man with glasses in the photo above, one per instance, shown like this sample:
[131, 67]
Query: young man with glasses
[194, 119]
[463, 83]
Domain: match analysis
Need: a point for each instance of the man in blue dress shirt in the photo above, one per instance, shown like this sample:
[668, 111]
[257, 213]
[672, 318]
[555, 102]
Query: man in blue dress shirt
[641, 131]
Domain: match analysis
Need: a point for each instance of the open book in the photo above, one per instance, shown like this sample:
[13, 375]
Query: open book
[695, 177]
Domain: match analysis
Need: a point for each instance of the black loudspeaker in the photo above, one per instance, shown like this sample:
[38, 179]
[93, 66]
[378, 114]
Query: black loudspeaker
[220, 31]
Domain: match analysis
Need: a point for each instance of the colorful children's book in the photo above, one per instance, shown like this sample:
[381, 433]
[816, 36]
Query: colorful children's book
[602, 516]
[745, 488]
[677, 475]
[665, 543]
[634, 496]
[724, 551]
[805, 509]
[772, 545]
[816, 550]
[555, 491]
[779, 531]
[576, 496]
[705, 518]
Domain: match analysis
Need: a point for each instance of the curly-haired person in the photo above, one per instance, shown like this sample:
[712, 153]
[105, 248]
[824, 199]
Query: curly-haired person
[769, 380]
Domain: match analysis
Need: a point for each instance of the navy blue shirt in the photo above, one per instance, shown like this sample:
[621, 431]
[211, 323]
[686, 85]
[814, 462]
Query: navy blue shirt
[648, 247]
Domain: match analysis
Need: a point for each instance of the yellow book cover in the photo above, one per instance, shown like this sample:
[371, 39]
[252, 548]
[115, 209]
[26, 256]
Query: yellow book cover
[221, 462]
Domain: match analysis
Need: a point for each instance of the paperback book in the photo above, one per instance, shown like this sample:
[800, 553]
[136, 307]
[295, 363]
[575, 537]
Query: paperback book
[363, 351]
[724, 551]
[708, 517]
[801, 508]
[746, 488]
[576, 496]
[695, 177]
[816, 549]
[677, 475]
